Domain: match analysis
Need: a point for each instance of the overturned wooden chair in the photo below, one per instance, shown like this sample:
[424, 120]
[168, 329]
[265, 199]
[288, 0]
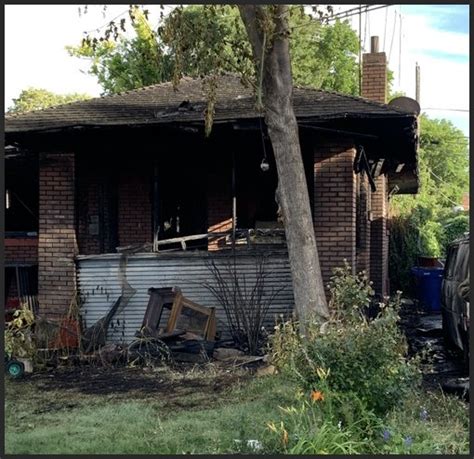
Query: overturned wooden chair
[185, 316]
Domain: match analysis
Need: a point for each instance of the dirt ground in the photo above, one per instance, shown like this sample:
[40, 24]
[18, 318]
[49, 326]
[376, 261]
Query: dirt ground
[179, 387]
[425, 335]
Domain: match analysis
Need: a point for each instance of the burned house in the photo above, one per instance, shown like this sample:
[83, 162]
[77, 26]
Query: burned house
[127, 188]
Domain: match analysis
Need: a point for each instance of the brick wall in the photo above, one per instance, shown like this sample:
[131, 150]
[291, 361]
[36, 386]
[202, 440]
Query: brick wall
[363, 223]
[334, 213]
[21, 250]
[56, 236]
[374, 87]
[379, 237]
[135, 219]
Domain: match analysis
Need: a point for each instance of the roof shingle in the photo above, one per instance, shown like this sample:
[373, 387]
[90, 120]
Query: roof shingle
[161, 103]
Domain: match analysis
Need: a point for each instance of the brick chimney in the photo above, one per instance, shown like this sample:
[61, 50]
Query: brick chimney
[374, 87]
[374, 73]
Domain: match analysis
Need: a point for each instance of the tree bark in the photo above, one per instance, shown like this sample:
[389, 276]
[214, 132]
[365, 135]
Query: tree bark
[277, 91]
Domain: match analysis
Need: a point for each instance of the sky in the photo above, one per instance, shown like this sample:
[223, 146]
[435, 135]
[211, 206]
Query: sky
[434, 36]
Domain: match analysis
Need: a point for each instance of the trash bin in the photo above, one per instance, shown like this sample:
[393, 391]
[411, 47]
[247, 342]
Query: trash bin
[428, 287]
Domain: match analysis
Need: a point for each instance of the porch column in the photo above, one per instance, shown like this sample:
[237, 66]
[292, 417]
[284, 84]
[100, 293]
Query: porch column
[379, 237]
[57, 245]
[335, 206]
[363, 224]
[374, 87]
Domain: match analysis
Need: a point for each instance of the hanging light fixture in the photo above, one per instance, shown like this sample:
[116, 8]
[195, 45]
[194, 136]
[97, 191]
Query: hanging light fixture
[264, 164]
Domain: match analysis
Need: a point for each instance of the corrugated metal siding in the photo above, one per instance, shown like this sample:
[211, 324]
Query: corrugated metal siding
[99, 284]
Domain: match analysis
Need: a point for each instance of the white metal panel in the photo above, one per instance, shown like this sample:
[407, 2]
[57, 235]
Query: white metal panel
[100, 286]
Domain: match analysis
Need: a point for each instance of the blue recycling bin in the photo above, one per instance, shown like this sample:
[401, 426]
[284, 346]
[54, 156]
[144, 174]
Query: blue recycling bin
[428, 287]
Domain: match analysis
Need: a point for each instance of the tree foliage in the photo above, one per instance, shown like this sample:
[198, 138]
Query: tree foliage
[121, 63]
[424, 224]
[198, 39]
[38, 98]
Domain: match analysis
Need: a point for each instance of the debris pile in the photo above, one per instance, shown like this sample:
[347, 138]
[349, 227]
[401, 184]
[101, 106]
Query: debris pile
[190, 331]
[173, 328]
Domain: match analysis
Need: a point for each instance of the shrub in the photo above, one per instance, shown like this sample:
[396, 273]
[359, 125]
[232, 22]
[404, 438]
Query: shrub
[246, 302]
[19, 335]
[350, 355]
[313, 427]
[404, 251]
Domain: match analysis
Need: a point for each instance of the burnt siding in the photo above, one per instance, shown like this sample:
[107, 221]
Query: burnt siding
[99, 285]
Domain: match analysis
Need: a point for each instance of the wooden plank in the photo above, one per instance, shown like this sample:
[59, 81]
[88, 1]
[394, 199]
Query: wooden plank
[190, 304]
[175, 312]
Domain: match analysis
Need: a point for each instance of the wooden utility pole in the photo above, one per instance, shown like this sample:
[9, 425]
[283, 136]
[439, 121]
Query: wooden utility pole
[417, 90]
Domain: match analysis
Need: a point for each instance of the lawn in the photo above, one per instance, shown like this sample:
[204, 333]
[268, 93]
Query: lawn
[204, 409]
[132, 411]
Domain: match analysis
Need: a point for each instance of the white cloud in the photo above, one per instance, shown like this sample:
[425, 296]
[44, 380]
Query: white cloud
[421, 37]
[444, 76]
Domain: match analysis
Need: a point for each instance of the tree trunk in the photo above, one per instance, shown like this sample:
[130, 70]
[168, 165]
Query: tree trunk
[277, 92]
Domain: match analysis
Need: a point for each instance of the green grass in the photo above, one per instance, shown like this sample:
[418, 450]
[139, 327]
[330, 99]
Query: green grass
[201, 421]
[444, 431]
[67, 422]
[423, 423]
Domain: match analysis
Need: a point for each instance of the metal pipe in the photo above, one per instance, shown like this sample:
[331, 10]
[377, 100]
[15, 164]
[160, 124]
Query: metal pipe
[234, 200]
[156, 215]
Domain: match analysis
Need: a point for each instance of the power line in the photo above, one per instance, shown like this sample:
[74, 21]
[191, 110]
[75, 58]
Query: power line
[400, 49]
[342, 15]
[360, 49]
[442, 194]
[365, 27]
[393, 34]
[107, 23]
[385, 29]
[448, 109]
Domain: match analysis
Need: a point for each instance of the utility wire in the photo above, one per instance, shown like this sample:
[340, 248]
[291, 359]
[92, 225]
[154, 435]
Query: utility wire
[343, 14]
[400, 49]
[360, 50]
[385, 29]
[442, 194]
[367, 15]
[466, 110]
[365, 28]
[393, 34]
[107, 23]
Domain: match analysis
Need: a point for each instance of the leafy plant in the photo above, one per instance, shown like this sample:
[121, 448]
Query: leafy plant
[350, 294]
[363, 357]
[312, 428]
[19, 335]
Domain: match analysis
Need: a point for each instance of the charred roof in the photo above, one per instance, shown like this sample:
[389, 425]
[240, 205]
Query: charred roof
[163, 103]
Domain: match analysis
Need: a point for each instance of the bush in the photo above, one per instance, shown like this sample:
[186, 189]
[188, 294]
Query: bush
[454, 227]
[314, 428]
[417, 425]
[358, 392]
[350, 355]
[404, 251]
[19, 341]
